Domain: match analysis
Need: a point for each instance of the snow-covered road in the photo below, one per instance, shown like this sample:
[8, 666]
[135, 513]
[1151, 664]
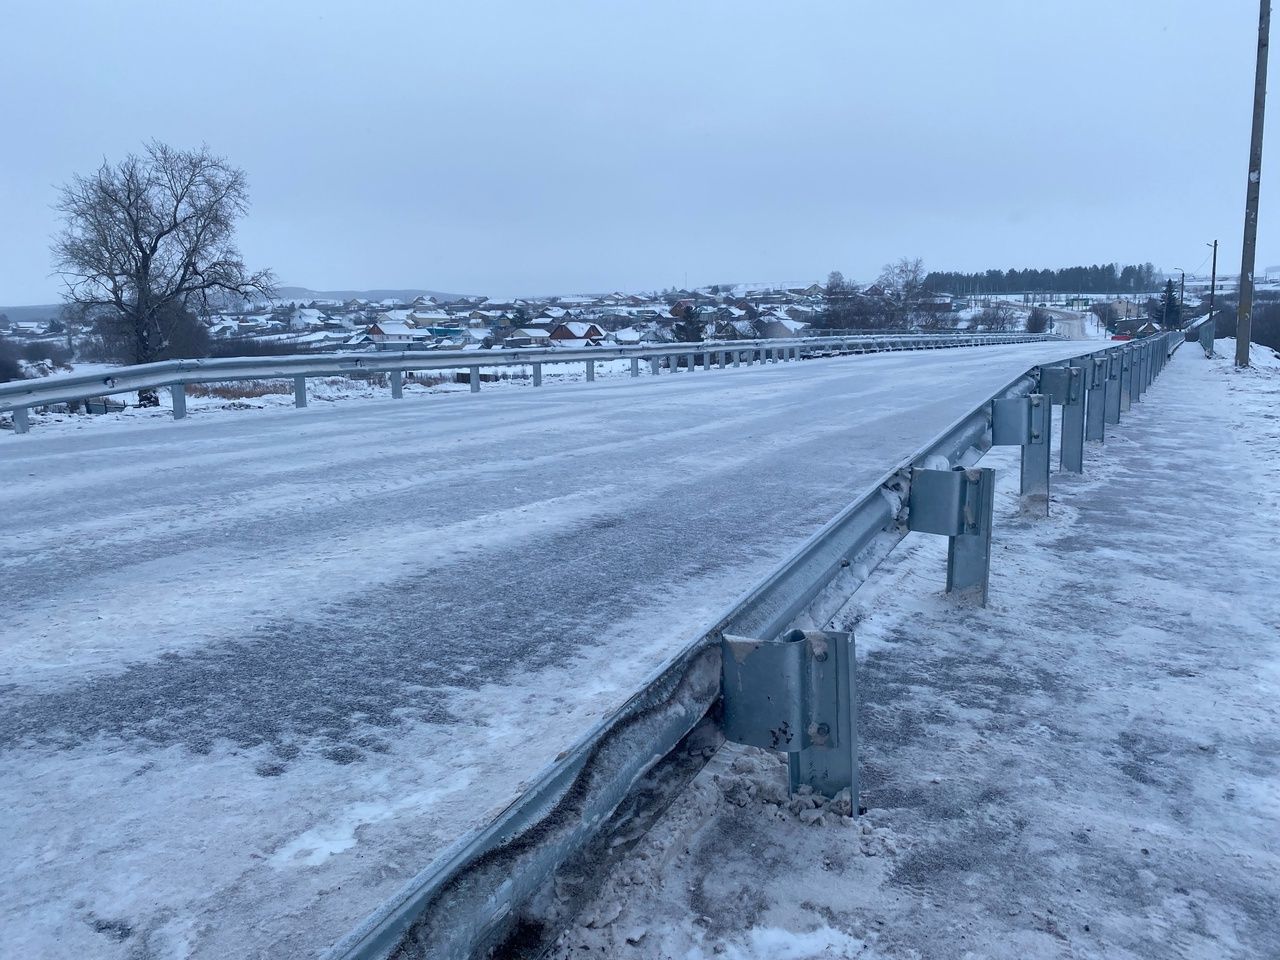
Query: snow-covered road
[258, 670]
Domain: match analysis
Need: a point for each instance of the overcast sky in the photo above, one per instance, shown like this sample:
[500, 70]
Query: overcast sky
[526, 147]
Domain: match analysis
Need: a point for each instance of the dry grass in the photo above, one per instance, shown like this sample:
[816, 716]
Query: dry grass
[240, 389]
[248, 389]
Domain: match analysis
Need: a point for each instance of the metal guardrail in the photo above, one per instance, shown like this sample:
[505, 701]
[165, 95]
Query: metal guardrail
[21, 395]
[473, 896]
[1202, 332]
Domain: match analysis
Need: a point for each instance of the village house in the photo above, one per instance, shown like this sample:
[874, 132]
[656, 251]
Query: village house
[386, 330]
[577, 330]
[528, 337]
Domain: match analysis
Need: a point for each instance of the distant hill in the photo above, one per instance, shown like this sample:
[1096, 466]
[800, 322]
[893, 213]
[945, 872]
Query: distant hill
[305, 293]
[43, 311]
[47, 311]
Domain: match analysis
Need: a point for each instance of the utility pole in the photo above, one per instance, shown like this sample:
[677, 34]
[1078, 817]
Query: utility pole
[1182, 300]
[1244, 316]
[1213, 280]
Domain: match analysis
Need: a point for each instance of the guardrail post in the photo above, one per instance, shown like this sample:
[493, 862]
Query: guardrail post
[21, 420]
[474, 376]
[635, 366]
[1073, 410]
[692, 362]
[737, 357]
[1026, 422]
[1064, 386]
[178, 395]
[591, 370]
[1111, 398]
[299, 392]
[1131, 376]
[654, 364]
[1095, 405]
[796, 694]
[957, 504]
[397, 384]
[723, 357]
[1126, 379]
[537, 374]
[1139, 375]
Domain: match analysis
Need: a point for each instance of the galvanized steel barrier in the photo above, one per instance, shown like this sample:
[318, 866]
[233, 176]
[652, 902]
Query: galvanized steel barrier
[176, 375]
[765, 673]
[1202, 331]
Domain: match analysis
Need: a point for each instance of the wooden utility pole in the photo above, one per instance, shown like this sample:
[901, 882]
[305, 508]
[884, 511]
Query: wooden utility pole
[1244, 317]
[1213, 281]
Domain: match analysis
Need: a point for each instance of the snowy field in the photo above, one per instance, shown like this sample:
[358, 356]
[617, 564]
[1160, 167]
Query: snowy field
[1089, 768]
[258, 669]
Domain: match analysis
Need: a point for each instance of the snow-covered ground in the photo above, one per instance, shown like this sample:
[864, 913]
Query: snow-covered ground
[1088, 768]
[259, 668]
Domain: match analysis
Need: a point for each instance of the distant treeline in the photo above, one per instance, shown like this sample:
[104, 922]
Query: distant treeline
[1104, 278]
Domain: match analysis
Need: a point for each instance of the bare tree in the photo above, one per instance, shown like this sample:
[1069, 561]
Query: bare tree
[997, 318]
[151, 236]
[903, 282]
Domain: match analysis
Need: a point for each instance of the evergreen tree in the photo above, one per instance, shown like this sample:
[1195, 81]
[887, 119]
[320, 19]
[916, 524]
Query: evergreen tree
[688, 329]
[1169, 309]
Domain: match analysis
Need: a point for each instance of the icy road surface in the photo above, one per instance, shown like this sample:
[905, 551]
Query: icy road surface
[258, 670]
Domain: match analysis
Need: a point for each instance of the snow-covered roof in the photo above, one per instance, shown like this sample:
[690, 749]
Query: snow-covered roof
[395, 328]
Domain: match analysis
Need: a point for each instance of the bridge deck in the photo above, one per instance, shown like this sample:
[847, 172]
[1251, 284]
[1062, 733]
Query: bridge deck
[257, 670]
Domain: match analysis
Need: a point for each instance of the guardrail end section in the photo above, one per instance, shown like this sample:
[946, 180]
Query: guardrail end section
[796, 694]
[957, 504]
